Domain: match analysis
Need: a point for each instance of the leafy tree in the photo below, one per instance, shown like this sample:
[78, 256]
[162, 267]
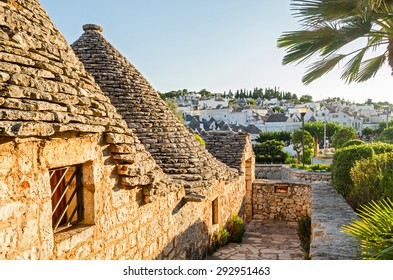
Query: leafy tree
[317, 128]
[342, 136]
[368, 133]
[305, 98]
[204, 92]
[386, 136]
[297, 143]
[329, 25]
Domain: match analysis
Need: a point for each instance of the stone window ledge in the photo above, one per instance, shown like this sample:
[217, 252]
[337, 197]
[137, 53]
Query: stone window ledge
[68, 239]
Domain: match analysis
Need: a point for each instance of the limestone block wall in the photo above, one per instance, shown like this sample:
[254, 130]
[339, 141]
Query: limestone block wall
[329, 213]
[235, 150]
[281, 200]
[118, 223]
[268, 171]
[305, 176]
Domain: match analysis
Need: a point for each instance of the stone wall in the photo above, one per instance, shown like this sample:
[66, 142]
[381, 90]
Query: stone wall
[329, 213]
[268, 171]
[280, 200]
[284, 172]
[304, 175]
[235, 150]
[119, 224]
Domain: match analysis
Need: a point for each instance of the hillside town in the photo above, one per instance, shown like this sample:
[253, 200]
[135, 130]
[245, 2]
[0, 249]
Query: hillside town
[203, 114]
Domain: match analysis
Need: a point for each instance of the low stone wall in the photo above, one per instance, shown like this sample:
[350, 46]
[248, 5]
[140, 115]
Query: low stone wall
[268, 171]
[304, 175]
[329, 213]
[280, 200]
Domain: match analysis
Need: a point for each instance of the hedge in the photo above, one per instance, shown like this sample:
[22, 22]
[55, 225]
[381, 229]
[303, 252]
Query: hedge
[344, 159]
[353, 142]
[372, 180]
[270, 151]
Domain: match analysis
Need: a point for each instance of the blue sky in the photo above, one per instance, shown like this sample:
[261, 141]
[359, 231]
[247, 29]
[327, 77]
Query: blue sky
[213, 44]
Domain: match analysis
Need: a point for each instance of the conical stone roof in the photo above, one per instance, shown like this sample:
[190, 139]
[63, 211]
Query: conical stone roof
[44, 88]
[175, 149]
[45, 91]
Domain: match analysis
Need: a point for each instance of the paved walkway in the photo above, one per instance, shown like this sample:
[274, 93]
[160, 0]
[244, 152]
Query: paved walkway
[264, 240]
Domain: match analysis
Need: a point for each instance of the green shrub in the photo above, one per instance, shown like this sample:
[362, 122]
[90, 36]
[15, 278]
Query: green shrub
[270, 151]
[284, 136]
[320, 167]
[374, 230]
[304, 233]
[236, 229]
[220, 238]
[290, 160]
[372, 180]
[224, 236]
[199, 138]
[344, 159]
[353, 142]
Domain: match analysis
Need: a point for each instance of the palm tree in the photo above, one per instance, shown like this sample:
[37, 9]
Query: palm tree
[329, 25]
[374, 229]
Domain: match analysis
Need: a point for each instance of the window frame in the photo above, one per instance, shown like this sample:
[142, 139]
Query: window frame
[63, 195]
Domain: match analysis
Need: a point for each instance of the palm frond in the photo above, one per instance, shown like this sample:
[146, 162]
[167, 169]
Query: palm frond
[317, 11]
[351, 68]
[330, 25]
[353, 30]
[374, 229]
[321, 67]
[300, 45]
[370, 67]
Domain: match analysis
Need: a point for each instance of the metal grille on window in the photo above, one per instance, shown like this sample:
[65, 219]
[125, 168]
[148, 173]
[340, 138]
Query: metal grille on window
[67, 196]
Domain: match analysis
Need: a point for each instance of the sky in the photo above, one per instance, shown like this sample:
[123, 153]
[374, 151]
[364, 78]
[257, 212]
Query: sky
[208, 44]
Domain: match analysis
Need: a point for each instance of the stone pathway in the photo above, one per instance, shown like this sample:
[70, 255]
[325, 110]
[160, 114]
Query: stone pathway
[264, 240]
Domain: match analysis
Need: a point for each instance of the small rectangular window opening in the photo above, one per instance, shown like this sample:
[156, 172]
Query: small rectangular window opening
[281, 189]
[67, 196]
[215, 211]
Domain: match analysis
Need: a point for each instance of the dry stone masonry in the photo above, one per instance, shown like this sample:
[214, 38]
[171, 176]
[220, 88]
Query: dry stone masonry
[268, 171]
[302, 192]
[145, 186]
[229, 147]
[281, 200]
[330, 213]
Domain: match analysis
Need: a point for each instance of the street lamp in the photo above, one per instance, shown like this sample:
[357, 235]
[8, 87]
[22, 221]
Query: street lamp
[302, 112]
[324, 136]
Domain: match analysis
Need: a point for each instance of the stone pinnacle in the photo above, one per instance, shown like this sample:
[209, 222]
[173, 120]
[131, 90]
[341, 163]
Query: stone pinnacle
[92, 27]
